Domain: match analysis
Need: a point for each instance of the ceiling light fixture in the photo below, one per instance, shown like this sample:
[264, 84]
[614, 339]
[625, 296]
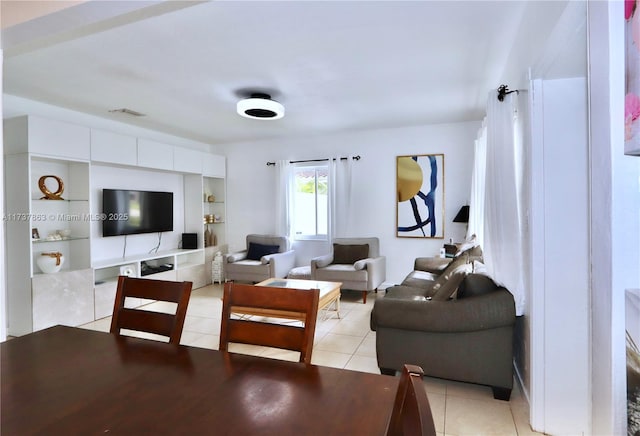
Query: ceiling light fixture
[259, 106]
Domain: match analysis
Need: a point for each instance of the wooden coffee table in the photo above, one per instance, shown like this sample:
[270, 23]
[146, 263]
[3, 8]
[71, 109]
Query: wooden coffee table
[329, 293]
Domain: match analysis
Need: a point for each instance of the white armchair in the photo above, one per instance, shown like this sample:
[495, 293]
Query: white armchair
[356, 262]
[266, 256]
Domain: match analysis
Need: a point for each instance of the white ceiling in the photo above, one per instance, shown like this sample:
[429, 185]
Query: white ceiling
[334, 65]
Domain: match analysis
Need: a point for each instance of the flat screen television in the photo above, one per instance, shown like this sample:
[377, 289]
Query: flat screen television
[129, 212]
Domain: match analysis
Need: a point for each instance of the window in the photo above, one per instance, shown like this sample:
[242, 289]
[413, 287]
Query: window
[309, 202]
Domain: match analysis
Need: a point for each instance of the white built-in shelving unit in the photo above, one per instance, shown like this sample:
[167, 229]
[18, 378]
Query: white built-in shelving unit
[84, 290]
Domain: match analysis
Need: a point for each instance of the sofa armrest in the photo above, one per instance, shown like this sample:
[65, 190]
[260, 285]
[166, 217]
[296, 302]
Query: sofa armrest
[235, 257]
[434, 265]
[280, 263]
[321, 262]
[376, 270]
[483, 312]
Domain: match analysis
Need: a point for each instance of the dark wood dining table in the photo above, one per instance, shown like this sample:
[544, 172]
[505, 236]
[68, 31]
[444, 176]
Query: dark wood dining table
[71, 381]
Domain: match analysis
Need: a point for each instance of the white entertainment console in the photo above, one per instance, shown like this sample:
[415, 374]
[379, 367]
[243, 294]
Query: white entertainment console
[182, 265]
[84, 289]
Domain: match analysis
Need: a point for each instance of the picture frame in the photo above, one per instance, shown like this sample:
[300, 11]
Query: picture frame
[420, 196]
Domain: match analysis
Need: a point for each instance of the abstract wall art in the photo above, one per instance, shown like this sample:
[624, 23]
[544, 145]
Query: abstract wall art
[420, 196]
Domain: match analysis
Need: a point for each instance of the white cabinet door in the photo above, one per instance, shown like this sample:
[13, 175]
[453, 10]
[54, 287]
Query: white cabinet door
[55, 138]
[213, 165]
[187, 161]
[154, 154]
[113, 148]
[62, 298]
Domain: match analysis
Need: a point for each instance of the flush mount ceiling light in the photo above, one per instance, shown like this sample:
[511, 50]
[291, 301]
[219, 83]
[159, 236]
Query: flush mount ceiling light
[259, 106]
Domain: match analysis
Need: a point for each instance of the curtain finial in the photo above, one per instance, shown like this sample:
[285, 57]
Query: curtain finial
[504, 90]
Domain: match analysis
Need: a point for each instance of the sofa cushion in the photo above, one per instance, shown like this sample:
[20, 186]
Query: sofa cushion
[447, 283]
[474, 253]
[468, 243]
[402, 292]
[256, 251]
[348, 254]
[443, 290]
[475, 285]
[341, 273]
[420, 279]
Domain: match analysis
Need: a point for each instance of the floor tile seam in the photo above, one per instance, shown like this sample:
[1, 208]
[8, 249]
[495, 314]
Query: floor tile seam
[475, 397]
[515, 423]
[487, 401]
[330, 332]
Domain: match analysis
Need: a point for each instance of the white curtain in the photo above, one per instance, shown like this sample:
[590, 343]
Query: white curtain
[284, 172]
[476, 204]
[503, 237]
[340, 193]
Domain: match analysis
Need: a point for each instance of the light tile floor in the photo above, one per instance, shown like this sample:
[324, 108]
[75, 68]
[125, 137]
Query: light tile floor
[348, 342]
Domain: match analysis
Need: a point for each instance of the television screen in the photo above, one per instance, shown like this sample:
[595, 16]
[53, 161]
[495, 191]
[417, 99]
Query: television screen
[128, 212]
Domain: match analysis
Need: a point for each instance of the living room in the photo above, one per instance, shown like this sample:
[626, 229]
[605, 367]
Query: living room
[249, 209]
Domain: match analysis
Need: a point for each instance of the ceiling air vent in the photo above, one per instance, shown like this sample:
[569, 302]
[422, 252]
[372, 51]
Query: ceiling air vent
[127, 112]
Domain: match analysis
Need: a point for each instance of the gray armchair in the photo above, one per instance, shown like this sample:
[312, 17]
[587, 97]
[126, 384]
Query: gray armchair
[356, 262]
[266, 256]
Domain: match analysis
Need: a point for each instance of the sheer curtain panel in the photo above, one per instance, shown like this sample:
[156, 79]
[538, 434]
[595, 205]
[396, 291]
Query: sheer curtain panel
[476, 204]
[340, 193]
[283, 198]
[503, 238]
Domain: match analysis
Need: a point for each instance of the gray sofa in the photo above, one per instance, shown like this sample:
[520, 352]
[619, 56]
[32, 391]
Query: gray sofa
[468, 338]
[266, 256]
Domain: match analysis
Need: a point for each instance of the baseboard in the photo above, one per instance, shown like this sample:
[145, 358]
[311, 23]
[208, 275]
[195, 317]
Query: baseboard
[520, 382]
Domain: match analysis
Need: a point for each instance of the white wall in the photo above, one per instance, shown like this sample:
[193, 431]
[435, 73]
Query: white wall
[109, 177]
[251, 185]
[615, 217]
[560, 257]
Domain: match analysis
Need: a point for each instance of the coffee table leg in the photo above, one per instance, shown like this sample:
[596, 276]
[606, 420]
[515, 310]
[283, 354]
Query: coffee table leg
[338, 306]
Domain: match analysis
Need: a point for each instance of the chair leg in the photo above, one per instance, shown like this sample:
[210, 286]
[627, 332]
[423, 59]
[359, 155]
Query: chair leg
[364, 297]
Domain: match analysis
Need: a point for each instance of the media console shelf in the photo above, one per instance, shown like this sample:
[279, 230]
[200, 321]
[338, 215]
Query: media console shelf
[180, 265]
[109, 270]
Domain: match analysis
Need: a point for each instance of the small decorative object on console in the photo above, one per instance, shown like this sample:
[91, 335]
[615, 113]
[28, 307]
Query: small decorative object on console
[50, 263]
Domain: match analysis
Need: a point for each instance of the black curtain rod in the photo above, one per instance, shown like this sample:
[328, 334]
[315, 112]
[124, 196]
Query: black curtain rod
[315, 160]
[504, 90]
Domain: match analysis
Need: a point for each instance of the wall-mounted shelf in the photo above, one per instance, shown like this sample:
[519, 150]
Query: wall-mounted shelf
[51, 241]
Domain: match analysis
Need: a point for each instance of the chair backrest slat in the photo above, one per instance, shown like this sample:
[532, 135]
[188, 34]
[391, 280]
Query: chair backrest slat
[147, 321]
[247, 331]
[411, 415]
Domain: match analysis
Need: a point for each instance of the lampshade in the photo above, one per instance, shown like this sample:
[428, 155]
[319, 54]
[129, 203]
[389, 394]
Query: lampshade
[462, 216]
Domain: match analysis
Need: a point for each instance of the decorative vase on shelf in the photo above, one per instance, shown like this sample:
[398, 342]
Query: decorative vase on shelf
[50, 263]
[207, 237]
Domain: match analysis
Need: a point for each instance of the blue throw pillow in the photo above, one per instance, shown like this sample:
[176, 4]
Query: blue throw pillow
[256, 251]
